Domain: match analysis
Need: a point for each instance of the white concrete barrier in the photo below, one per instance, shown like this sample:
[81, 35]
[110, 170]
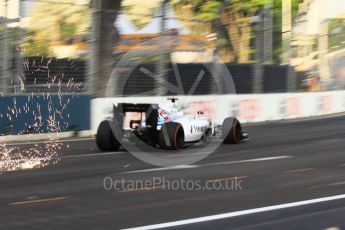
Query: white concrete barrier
[247, 108]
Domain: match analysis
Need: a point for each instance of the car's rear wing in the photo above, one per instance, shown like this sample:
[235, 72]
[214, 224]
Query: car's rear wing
[126, 107]
[123, 114]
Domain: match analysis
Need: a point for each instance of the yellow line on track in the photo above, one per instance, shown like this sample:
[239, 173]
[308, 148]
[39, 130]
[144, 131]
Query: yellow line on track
[40, 201]
[149, 189]
[300, 170]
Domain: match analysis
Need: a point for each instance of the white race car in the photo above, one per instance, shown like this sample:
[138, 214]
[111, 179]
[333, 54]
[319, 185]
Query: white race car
[164, 127]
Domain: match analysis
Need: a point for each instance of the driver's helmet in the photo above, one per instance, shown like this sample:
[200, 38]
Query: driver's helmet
[167, 112]
[163, 116]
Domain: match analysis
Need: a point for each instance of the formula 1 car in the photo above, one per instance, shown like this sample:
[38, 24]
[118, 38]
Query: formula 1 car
[165, 128]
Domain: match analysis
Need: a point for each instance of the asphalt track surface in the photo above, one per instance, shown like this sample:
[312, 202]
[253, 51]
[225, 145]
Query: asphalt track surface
[284, 162]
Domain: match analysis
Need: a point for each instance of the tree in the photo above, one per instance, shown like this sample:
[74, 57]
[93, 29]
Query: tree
[139, 12]
[36, 44]
[200, 15]
[235, 16]
[277, 25]
[105, 35]
[54, 22]
[238, 17]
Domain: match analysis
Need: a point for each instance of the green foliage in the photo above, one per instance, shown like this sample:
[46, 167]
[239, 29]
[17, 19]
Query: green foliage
[336, 34]
[54, 22]
[277, 25]
[208, 10]
[246, 5]
[226, 18]
[36, 47]
[139, 12]
[68, 30]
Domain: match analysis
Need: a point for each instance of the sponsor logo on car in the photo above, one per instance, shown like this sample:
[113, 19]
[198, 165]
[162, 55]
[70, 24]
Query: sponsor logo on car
[198, 129]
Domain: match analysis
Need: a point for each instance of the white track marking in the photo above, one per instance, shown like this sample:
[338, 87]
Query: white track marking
[210, 164]
[92, 155]
[239, 213]
[248, 161]
[295, 120]
[71, 156]
[162, 169]
[329, 185]
[315, 118]
[337, 183]
[78, 139]
[45, 142]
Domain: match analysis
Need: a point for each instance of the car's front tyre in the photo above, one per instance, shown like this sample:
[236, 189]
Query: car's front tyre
[232, 131]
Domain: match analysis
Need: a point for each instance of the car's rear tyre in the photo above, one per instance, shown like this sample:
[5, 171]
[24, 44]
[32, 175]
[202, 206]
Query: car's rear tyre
[105, 138]
[231, 131]
[171, 136]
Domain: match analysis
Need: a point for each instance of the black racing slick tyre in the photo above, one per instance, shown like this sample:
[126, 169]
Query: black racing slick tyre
[105, 138]
[171, 136]
[231, 131]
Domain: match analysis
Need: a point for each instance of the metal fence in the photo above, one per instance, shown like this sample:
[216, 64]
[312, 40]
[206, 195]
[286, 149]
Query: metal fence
[50, 75]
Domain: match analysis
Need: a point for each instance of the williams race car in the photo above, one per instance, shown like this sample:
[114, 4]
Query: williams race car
[164, 127]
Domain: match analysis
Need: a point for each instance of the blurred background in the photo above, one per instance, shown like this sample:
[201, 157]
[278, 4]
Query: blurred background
[269, 46]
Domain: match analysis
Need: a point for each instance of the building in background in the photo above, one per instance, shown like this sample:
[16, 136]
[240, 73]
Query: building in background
[304, 51]
[318, 40]
[186, 47]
